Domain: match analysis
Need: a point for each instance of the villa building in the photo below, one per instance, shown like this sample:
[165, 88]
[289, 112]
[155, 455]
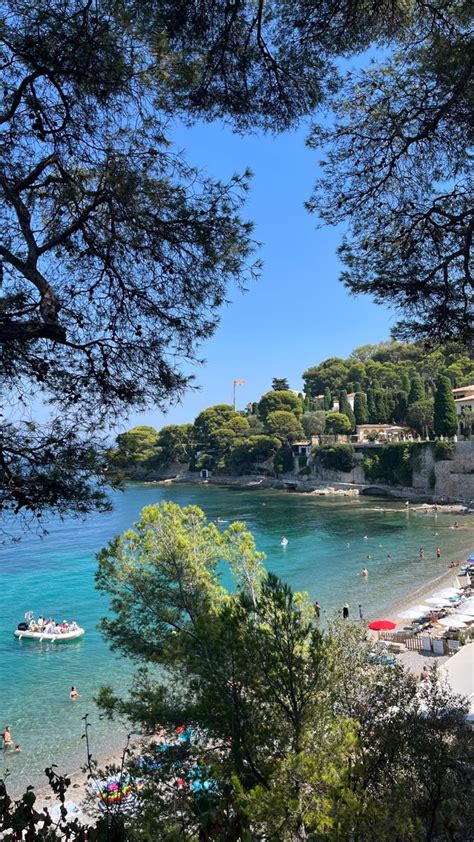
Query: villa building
[464, 398]
[381, 433]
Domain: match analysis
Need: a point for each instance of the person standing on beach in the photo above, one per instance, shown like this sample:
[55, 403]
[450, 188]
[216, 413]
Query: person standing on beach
[7, 738]
[345, 612]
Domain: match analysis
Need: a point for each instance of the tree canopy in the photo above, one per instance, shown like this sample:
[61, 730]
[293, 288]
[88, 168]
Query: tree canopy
[116, 254]
[303, 731]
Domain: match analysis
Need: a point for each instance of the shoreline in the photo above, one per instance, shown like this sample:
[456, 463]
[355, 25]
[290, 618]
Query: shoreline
[308, 487]
[78, 790]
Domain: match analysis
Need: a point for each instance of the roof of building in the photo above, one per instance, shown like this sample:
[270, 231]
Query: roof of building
[469, 388]
[469, 397]
[303, 441]
[379, 427]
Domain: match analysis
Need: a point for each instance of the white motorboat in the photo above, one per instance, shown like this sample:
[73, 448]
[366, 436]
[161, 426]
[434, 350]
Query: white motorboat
[29, 630]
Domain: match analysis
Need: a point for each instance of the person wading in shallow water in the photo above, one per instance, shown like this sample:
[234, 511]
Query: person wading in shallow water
[73, 693]
[345, 612]
[317, 609]
[7, 738]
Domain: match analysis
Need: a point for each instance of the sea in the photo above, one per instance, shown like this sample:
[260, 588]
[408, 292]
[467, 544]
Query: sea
[330, 540]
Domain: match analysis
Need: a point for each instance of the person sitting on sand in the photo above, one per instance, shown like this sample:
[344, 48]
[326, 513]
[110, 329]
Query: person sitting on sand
[73, 694]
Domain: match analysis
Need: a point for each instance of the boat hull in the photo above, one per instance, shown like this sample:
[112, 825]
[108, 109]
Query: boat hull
[42, 637]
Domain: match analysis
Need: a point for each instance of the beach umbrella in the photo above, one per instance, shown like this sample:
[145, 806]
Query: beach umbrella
[382, 625]
[452, 623]
[416, 611]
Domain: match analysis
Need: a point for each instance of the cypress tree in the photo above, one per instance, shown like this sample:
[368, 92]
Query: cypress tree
[371, 406]
[357, 387]
[406, 384]
[417, 390]
[380, 407]
[389, 406]
[361, 411]
[400, 408]
[445, 416]
[345, 407]
[327, 399]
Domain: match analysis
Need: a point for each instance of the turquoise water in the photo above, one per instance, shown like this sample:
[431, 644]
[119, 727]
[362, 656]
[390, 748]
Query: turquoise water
[55, 576]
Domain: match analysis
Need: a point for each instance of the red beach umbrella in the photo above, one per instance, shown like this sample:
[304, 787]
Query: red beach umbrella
[382, 625]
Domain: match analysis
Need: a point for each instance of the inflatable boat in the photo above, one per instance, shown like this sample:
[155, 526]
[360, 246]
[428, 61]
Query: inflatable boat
[42, 636]
[28, 630]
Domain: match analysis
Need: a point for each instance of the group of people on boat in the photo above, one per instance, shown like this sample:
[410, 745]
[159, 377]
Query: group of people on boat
[51, 626]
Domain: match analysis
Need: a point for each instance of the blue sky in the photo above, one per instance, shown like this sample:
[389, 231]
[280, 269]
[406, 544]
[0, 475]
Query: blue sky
[298, 313]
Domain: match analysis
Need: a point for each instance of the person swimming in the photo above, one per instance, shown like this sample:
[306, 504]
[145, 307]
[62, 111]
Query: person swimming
[364, 572]
[283, 540]
[73, 694]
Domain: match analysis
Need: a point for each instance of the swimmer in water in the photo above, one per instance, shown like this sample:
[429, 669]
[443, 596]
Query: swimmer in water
[73, 694]
[438, 552]
[364, 572]
[366, 537]
[389, 557]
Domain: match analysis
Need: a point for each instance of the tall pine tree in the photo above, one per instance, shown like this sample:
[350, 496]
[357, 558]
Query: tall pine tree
[361, 411]
[417, 390]
[445, 416]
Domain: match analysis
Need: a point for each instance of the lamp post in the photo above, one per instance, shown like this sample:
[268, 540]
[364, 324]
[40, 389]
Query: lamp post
[237, 383]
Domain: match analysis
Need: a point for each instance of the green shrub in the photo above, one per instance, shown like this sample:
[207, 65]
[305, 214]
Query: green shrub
[338, 457]
[394, 463]
[370, 466]
[305, 471]
[444, 450]
[283, 461]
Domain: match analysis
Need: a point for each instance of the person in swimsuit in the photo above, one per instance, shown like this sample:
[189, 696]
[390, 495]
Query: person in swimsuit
[73, 693]
[17, 749]
[7, 737]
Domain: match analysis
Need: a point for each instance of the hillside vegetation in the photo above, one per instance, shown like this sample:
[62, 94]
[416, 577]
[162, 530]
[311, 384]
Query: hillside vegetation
[390, 382]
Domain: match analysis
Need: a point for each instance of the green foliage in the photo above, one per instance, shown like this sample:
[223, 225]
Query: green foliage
[316, 738]
[393, 463]
[284, 425]
[175, 443]
[313, 423]
[417, 390]
[420, 416]
[138, 444]
[337, 422]
[445, 417]
[245, 454]
[280, 401]
[400, 407]
[212, 419]
[328, 400]
[280, 384]
[338, 457]
[283, 461]
[444, 450]
[361, 412]
[345, 407]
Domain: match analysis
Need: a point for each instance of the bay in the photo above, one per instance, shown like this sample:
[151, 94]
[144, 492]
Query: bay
[330, 540]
